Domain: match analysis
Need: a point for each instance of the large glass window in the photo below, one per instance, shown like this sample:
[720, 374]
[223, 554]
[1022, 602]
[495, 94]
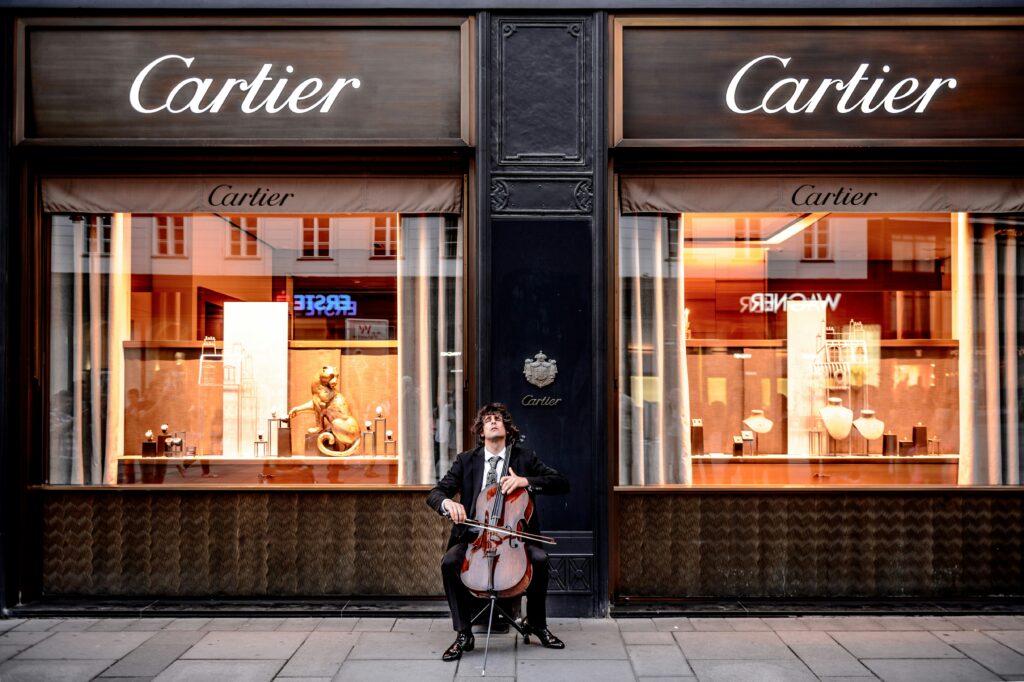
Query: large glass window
[254, 349]
[817, 349]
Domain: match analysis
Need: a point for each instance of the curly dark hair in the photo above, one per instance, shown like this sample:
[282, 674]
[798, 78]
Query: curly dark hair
[511, 431]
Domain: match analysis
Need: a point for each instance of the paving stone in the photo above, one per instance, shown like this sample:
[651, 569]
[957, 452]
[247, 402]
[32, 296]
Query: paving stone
[1005, 622]
[744, 671]
[1012, 639]
[711, 625]
[149, 624]
[225, 624]
[441, 625]
[74, 625]
[970, 622]
[598, 625]
[868, 676]
[673, 625]
[374, 625]
[86, 645]
[187, 624]
[52, 671]
[37, 624]
[666, 679]
[748, 624]
[842, 623]
[338, 625]
[822, 654]
[9, 650]
[155, 654]
[501, 660]
[262, 625]
[299, 624]
[638, 624]
[113, 624]
[284, 678]
[929, 670]
[8, 623]
[648, 638]
[413, 625]
[220, 671]
[732, 645]
[556, 670]
[986, 651]
[895, 645]
[247, 645]
[785, 624]
[578, 646]
[408, 645]
[23, 640]
[915, 623]
[650, 660]
[321, 655]
[396, 671]
[557, 625]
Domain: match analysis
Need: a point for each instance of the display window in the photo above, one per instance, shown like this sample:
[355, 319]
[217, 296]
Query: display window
[840, 346]
[315, 338]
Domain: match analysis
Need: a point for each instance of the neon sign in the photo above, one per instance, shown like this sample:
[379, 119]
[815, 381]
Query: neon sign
[324, 305]
[773, 303]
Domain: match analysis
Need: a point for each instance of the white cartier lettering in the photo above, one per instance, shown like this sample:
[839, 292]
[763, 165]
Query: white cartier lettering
[202, 95]
[796, 95]
[810, 195]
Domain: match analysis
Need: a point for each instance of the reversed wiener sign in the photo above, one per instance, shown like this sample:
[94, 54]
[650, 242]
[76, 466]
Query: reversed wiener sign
[361, 84]
[818, 84]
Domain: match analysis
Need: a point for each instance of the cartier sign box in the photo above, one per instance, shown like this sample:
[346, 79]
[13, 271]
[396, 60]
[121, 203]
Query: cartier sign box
[816, 83]
[369, 83]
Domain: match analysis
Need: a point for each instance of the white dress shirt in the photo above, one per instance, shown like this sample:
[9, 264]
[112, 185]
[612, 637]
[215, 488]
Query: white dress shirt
[487, 465]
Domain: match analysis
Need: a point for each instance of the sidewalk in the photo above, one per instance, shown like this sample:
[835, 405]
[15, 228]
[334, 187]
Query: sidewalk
[898, 648]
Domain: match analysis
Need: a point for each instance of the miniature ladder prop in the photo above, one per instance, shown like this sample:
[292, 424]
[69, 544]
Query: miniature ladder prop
[211, 363]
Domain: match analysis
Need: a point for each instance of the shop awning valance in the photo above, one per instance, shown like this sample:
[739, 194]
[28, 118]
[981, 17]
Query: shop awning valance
[820, 193]
[253, 195]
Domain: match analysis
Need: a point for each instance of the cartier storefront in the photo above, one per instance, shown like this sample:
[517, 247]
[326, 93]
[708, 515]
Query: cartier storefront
[817, 299]
[244, 264]
[752, 282]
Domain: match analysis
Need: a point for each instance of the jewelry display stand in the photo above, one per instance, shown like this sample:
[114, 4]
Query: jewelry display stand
[870, 427]
[837, 353]
[759, 424]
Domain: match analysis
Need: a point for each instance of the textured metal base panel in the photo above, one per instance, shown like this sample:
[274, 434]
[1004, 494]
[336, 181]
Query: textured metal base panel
[223, 544]
[815, 546]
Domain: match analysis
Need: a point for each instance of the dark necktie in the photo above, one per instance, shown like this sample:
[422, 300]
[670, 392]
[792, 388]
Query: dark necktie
[492, 472]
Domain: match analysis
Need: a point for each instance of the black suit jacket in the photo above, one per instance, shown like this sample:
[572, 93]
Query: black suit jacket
[466, 478]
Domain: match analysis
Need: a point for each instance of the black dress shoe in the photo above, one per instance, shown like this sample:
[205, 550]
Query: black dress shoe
[546, 638]
[463, 642]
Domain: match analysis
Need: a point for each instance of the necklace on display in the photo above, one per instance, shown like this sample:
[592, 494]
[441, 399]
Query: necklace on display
[838, 420]
[757, 422]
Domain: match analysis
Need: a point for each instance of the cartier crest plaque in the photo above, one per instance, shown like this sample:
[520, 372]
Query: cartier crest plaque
[539, 370]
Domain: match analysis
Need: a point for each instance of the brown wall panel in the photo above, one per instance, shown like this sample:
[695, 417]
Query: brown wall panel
[226, 544]
[874, 545]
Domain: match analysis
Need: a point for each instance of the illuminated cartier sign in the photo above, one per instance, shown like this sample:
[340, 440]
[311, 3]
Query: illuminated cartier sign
[202, 95]
[773, 303]
[324, 305]
[794, 95]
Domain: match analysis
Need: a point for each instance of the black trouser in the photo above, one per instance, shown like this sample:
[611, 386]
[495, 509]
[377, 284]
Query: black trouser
[462, 603]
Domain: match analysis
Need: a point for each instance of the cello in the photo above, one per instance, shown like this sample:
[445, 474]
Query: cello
[496, 564]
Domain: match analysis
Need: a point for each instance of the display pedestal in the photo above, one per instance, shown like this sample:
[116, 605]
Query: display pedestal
[284, 442]
[310, 449]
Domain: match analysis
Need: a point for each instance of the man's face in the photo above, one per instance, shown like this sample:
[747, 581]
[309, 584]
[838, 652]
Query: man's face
[494, 427]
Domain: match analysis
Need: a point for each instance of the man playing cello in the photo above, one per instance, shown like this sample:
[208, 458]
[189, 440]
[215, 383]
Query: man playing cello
[470, 473]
